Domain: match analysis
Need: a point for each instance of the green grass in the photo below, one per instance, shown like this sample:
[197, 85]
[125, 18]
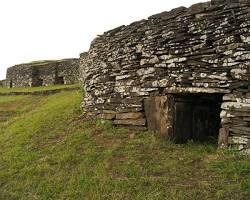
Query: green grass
[44, 62]
[35, 89]
[12, 106]
[49, 152]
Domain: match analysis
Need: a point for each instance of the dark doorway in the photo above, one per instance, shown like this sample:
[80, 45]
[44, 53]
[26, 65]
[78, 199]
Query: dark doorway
[197, 117]
[11, 84]
[40, 82]
[37, 82]
[59, 80]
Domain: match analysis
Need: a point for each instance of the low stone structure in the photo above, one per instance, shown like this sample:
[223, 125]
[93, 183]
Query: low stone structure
[2, 83]
[183, 74]
[43, 73]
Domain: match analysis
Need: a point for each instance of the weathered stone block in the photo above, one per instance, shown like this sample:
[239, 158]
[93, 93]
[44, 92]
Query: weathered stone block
[106, 116]
[131, 122]
[223, 138]
[131, 115]
[159, 115]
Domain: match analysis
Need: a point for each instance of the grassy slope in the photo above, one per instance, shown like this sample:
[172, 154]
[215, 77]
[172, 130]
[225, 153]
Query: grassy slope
[47, 152]
[34, 89]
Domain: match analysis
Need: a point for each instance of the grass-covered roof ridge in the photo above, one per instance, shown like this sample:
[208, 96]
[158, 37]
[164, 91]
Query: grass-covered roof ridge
[44, 62]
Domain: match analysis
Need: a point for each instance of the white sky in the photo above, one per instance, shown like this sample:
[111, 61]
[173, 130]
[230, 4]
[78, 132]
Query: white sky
[54, 29]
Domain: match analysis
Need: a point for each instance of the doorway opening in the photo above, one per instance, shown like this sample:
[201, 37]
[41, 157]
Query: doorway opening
[60, 80]
[196, 117]
[184, 117]
[11, 83]
[37, 82]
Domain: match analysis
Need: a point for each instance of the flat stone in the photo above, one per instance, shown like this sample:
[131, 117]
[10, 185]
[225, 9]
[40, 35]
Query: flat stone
[131, 115]
[159, 115]
[131, 122]
[223, 138]
[107, 116]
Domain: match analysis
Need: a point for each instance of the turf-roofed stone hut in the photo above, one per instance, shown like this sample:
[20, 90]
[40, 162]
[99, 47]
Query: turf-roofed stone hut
[43, 73]
[183, 74]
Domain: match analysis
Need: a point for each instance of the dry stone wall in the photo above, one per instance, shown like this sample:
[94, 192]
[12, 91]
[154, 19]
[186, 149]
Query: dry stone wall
[204, 49]
[43, 73]
[19, 76]
[2, 83]
[69, 70]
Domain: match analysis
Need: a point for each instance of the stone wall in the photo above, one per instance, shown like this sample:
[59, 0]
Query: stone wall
[43, 73]
[19, 76]
[204, 49]
[69, 70]
[2, 83]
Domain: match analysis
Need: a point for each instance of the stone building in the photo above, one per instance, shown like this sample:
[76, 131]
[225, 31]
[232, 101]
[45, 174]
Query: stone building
[2, 83]
[43, 73]
[183, 74]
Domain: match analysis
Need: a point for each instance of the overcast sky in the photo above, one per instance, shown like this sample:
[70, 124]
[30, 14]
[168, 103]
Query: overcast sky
[55, 29]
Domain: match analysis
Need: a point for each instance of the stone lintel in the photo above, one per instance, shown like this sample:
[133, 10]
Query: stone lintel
[175, 90]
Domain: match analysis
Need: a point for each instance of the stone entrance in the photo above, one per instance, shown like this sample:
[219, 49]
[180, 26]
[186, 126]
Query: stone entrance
[185, 117]
[59, 80]
[11, 84]
[37, 82]
[196, 117]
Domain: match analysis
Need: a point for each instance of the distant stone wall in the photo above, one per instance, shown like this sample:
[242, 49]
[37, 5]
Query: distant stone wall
[69, 70]
[3, 83]
[19, 76]
[204, 49]
[43, 73]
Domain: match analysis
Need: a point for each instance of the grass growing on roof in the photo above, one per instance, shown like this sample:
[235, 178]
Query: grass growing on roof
[47, 152]
[44, 62]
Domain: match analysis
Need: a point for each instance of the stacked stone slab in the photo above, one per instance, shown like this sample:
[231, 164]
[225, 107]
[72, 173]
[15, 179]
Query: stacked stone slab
[19, 76]
[43, 73]
[201, 49]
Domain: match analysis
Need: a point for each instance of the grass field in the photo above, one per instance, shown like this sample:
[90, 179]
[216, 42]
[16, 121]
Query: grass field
[48, 152]
[5, 90]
